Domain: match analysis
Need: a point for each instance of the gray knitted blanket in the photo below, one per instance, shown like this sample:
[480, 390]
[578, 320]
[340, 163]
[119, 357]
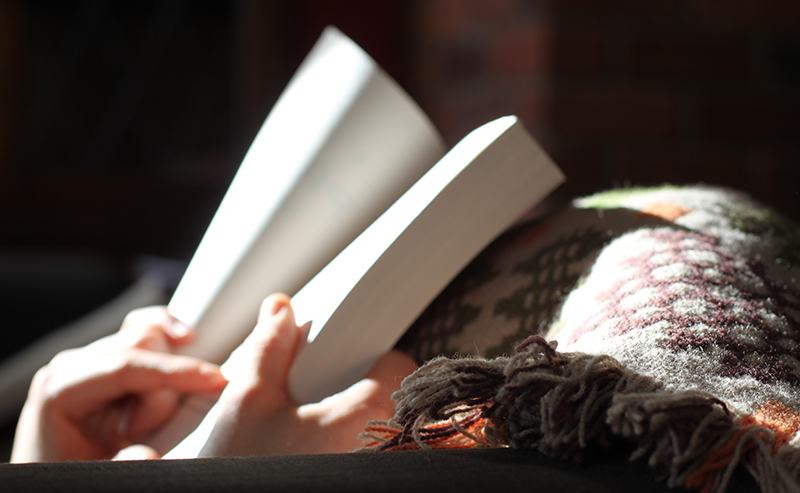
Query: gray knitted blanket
[666, 320]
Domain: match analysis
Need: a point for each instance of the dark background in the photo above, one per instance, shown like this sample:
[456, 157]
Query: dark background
[122, 122]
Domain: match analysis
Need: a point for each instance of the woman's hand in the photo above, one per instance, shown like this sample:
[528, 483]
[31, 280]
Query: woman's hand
[255, 415]
[98, 401]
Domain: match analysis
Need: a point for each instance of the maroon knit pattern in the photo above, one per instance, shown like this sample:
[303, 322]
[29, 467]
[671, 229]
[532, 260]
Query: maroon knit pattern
[741, 300]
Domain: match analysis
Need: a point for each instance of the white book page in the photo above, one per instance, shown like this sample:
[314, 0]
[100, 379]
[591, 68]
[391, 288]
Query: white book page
[341, 144]
[366, 298]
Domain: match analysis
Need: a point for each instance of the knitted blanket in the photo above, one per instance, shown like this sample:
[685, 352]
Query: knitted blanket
[665, 320]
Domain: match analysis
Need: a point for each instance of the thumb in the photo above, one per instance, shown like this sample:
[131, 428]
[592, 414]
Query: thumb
[263, 360]
[275, 339]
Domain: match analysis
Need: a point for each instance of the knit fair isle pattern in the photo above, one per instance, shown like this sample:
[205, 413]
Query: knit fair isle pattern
[666, 318]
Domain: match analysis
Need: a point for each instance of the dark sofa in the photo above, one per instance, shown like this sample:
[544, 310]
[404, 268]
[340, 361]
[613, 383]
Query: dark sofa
[453, 470]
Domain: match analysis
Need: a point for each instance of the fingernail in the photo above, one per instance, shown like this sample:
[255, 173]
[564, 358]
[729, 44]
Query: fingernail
[177, 329]
[278, 305]
[214, 376]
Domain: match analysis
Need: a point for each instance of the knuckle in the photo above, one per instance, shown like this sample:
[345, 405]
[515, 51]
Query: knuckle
[133, 317]
[120, 370]
[42, 377]
[44, 386]
[147, 336]
[63, 358]
[150, 315]
[151, 337]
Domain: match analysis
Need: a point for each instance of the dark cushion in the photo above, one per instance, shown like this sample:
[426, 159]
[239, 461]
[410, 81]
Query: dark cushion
[452, 470]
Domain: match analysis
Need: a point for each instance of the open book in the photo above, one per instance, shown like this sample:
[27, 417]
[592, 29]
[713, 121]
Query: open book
[346, 195]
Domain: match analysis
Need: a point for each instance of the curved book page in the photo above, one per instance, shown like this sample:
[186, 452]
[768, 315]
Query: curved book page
[341, 144]
[364, 300]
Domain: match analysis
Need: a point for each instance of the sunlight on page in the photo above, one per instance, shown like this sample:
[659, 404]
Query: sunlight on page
[369, 295]
[341, 145]
[290, 137]
[319, 298]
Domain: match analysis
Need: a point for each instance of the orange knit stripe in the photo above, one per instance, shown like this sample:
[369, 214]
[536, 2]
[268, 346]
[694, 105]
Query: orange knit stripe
[665, 210]
[783, 421]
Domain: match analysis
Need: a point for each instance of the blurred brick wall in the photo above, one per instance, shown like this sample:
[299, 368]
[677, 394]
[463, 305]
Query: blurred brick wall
[626, 91]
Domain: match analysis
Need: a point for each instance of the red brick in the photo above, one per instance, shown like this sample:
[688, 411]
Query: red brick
[617, 112]
[690, 56]
[441, 17]
[450, 17]
[462, 61]
[521, 51]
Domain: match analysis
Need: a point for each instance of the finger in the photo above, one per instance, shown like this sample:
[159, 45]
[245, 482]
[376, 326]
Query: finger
[106, 428]
[149, 337]
[153, 409]
[150, 328]
[278, 340]
[269, 349]
[132, 372]
[258, 368]
[159, 319]
[137, 452]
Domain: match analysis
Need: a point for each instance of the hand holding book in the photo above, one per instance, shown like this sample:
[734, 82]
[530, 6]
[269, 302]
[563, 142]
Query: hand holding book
[254, 414]
[98, 402]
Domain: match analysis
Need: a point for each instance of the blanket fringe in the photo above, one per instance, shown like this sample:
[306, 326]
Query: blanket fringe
[563, 404]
